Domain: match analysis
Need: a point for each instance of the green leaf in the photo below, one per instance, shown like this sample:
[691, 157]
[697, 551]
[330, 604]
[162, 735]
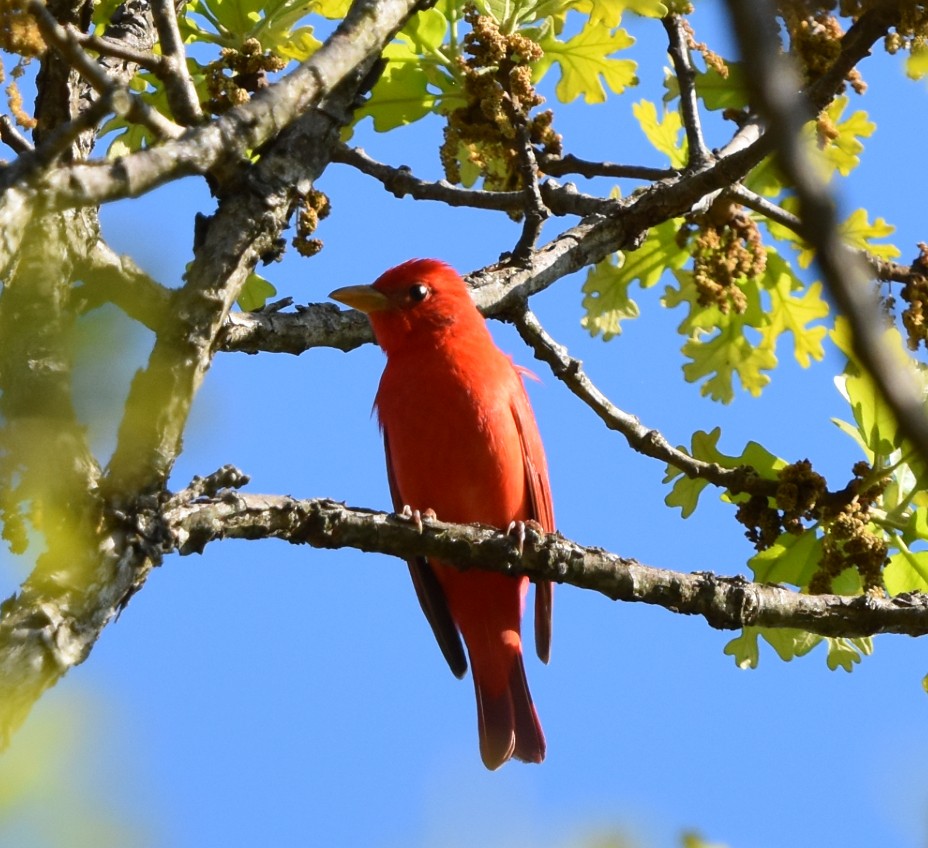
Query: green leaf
[850, 429]
[719, 92]
[254, 293]
[400, 97]
[744, 648]
[665, 134]
[793, 314]
[721, 357]
[586, 64]
[609, 12]
[842, 151]
[916, 527]
[791, 559]
[606, 298]
[788, 642]
[916, 66]
[858, 232]
[845, 653]
[704, 446]
[875, 420]
[906, 572]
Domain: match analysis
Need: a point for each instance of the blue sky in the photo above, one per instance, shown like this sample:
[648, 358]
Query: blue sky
[268, 694]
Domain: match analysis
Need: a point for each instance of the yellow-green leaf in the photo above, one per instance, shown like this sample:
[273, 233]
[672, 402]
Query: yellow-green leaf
[400, 97]
[721, 357]
[791, 559]
[606, 299]
[916, 65]
[665, 133]
[586, 64]
[793, 314]
[859, 232]
[842, 151]
[906, 572]
[609, 12]
[255, 292]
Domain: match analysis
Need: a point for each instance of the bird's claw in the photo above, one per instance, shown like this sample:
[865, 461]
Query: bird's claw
[416, 516]
[518, 528]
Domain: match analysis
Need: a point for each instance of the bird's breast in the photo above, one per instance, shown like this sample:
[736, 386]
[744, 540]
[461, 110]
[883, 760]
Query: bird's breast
[453, 441]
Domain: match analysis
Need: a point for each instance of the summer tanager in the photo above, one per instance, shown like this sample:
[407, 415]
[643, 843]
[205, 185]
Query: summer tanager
[461, 440]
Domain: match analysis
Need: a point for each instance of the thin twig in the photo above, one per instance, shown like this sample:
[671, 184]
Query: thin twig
[766, 207]
[559, 166]
[533, 207]
[178, 84]
[401, 182]
[679, 36]
[882, 269]
[12, 137]
[119, 50]
[643, 439]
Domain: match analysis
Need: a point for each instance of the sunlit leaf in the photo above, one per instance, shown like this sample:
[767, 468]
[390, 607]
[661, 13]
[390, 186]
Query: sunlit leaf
[665, 133]
[606, 298]
[719, 92]
[791, 559]
[586, 64]
[906, 572]
[843, 150]
[792, 314]
[744, 648]
[916, 66]
[255, 293]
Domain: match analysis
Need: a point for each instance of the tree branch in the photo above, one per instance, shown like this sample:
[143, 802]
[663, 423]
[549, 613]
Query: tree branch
[178, 84]
[679, 34]
[726, 603]
[776, 87]
[123, 100]
[642, 439]
[401, 182]
[559, 166]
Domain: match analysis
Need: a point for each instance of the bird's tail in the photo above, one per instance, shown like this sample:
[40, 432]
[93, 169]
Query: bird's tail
[506, 719]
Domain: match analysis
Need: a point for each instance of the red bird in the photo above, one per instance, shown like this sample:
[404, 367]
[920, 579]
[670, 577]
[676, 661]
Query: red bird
[461, 439]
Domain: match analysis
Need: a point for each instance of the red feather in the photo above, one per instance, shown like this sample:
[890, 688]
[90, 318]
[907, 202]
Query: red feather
[461, 439]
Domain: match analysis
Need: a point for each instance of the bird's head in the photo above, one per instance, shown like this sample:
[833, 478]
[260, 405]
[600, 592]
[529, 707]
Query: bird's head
[413, 303]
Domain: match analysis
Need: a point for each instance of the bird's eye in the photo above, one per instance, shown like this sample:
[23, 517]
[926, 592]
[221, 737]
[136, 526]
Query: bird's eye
[418, 292]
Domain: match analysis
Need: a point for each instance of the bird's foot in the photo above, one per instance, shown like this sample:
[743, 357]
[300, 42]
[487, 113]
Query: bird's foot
[416, 516]
[517, 530]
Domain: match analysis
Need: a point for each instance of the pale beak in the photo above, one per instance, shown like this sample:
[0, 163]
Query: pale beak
[363, 298]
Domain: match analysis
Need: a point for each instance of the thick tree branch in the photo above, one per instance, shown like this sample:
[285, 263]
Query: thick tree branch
[110, 278]
[54, 621]
[725, 602]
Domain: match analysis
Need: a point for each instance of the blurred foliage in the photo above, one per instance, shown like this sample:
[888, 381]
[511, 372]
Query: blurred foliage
[54, 793]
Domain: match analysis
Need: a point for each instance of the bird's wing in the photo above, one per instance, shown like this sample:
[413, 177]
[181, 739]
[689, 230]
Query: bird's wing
[539, 493]
[428, 589]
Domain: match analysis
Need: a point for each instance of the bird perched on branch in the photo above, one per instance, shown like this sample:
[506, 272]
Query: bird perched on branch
[461, 440]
